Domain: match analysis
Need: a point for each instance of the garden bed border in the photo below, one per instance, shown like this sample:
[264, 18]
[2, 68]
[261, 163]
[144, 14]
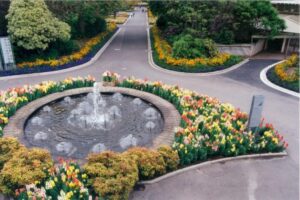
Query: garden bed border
[266, 81]
[211, 162]
[157, 67]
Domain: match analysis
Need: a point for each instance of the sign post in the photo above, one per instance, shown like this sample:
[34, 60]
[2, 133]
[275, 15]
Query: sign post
[7, 54]
[1, 66]
[255, 111]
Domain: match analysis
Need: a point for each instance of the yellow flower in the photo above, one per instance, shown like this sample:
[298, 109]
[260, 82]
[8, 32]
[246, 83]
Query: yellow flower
[275, 140]
[84, 176]
[233, 148]
[52, 183]
[268, 134]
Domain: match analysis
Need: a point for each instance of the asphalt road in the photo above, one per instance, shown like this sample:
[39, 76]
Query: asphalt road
[249, 179]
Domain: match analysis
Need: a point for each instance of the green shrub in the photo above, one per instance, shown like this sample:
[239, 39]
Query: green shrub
[170, 157]
[25, 167]
[150, 163]
[8, 146]
[66, 48]
[225, 36]
[111, 175]
[186, 46]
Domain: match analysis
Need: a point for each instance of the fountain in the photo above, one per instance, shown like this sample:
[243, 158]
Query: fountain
[92, 123]
[97, 148]
[150, 126]
[37, 121]
[128, 141]
[151, 114]
[40, 136]
[47, 109]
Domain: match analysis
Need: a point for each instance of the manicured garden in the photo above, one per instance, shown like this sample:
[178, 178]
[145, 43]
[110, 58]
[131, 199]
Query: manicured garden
[162, 56]
[209, 129]
[184, 35]
[70, 35]
[286, 73]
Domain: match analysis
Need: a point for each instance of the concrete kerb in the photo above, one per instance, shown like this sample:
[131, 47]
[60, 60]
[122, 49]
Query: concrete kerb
[171, 116]
[155, 66]
[96, 57]
[266, 81]
[208, 163]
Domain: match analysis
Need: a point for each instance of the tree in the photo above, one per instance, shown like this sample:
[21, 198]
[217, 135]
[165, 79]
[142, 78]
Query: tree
[86, 18]
[33, 27]
[225, 21]
[4, 5]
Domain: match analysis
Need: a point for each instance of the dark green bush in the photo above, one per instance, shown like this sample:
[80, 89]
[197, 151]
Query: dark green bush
[187, 46]
[225, 36]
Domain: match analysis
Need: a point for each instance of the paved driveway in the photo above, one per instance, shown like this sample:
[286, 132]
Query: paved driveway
[250, 179]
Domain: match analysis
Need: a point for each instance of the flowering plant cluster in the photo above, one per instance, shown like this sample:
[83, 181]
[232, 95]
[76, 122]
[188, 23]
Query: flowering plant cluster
[289, 69]
[85, 50]
[164, 51]
[109, 76]
[208, 127]
[14, 98]
[64, 181]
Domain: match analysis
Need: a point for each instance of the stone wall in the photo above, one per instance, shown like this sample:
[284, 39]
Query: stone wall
[247, 50]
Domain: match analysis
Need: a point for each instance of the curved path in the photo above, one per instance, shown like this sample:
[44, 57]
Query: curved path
[249, 179]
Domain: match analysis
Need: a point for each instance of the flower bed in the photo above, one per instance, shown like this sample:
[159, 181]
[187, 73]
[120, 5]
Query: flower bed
[86, 53]
[286, 74]
[162, 56]
[209, 129]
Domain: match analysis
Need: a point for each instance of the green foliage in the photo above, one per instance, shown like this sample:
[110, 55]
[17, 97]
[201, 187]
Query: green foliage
[187, 46]
[170, 157]
[224, 36]
[85, 17]
[4, 5]
[273, 77]
[55, 50]
[25, 167]
[32, 26]
[111, 174]
[150, 163]
[224, 21]
[8, 146]
[64, 181]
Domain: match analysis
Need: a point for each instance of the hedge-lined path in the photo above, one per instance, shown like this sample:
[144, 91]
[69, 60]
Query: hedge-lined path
[250, 179]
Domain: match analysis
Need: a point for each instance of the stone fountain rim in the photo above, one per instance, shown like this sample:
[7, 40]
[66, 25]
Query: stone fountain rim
[171, 116]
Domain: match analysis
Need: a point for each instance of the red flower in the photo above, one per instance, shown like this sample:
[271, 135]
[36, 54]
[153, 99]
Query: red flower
[269, 126]
[200, 103]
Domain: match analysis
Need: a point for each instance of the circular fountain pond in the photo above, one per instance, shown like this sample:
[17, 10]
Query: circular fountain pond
[78, 125]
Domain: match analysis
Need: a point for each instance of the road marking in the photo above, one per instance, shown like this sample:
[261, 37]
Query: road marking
[117, 49]
[265, 80]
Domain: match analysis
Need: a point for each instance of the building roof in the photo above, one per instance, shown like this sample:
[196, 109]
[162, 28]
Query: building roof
[285, 2]
[292, 23]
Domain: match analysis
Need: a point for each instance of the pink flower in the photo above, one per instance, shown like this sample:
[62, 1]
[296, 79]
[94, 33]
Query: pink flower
[186, 141]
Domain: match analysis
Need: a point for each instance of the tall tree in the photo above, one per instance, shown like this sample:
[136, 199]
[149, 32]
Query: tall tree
[225, 21]
[4, 5]
[32, 26]
[85, 17]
